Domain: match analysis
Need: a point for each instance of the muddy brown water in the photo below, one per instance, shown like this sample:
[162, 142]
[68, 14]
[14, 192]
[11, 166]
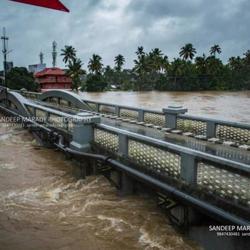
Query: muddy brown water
[43, 206]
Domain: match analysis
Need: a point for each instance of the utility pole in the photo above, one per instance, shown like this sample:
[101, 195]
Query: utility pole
[5, 39]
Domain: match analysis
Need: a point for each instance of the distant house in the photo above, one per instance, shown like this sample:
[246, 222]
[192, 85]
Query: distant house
[36, 67]
[53, 78]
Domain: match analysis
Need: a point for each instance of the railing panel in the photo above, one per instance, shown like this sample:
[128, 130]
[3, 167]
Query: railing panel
[110, 110]
[130, 114]
[154, 159]
[31, 110]
[155, 119]
[57, 121]
[109, 141]
[194, 126]
[64, 102]
[232, 133]
[224, 183]
[41, 114]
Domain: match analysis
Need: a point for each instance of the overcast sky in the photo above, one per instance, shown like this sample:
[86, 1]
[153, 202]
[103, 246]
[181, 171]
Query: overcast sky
[110, 27]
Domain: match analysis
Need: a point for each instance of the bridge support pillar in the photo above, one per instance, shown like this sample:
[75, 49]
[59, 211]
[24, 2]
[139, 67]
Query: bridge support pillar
[126, 184]
[171, 113]
[83, 132]
[185, 215]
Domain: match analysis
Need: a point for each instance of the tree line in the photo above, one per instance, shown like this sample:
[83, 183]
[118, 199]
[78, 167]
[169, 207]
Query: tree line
[154, 71]
[151, 71]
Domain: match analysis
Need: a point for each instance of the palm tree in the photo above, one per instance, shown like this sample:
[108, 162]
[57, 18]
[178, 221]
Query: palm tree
[215, 49]
[140, 52]
[188, 51]
[68, 53]
[95, 64]
[75, 71]
[119, 62]
[201, 63]
[157, 52]
[156, 60]
[165, 63]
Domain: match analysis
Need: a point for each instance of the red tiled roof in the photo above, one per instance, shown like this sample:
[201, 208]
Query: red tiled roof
[50, 72]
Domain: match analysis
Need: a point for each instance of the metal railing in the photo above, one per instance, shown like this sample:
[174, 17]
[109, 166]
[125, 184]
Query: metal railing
[220, 177]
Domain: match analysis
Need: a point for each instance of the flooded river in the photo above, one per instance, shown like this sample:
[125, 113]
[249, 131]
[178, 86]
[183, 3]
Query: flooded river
[43, 206]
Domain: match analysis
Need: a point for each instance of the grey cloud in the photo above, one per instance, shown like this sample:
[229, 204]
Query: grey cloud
[109, 27]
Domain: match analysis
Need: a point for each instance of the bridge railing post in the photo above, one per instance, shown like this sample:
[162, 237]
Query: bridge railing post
[189, 168]
[126, 182]
[211, 129]
[171, 114]
[117, 110]
[123, 145]
[98, 107]
[141, 115]
[83, 132]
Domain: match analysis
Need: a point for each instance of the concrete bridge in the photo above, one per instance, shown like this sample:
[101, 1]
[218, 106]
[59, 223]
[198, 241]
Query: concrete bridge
[195, 166]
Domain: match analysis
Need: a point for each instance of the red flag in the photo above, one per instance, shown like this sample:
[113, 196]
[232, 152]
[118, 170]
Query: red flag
[51, 4]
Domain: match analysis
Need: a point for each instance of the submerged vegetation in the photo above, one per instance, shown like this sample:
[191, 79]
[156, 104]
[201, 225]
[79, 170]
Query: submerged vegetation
[154, 71]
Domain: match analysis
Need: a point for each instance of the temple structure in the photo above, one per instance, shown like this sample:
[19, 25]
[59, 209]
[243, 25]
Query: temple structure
[53, 78]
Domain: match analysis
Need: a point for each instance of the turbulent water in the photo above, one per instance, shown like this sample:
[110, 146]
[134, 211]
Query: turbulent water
[42, 206]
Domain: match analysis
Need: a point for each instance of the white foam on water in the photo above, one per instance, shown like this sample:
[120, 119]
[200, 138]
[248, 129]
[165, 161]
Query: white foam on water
[7, 166]
[148, 242]
[4, 137]
[55, 195]
[115, 223]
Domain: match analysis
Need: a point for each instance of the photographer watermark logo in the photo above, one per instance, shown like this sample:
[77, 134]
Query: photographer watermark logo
[230, 230]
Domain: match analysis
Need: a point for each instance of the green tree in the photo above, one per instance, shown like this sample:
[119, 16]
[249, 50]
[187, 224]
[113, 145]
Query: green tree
[19, 78]
[140, 51]
[75, 71]
[95, 83]
[68, 53]
[108, 75]
[119, 62]
[215, 50]
[95, 64]
[188, 51]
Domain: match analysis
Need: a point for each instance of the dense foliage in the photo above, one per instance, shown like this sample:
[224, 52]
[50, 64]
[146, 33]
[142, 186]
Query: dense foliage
[19, 78]
[154, 71]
